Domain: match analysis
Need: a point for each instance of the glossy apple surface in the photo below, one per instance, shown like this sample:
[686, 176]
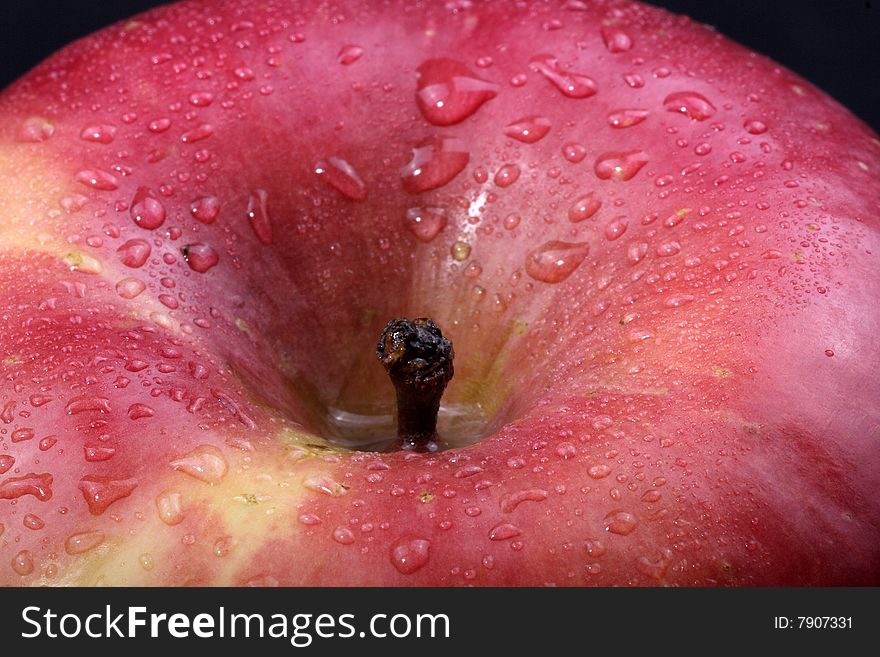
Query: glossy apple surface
[654, 251]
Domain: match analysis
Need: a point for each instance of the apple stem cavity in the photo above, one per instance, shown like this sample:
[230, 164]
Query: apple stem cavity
[419, 361]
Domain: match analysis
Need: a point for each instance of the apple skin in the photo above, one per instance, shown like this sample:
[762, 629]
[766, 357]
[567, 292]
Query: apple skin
[681, 386]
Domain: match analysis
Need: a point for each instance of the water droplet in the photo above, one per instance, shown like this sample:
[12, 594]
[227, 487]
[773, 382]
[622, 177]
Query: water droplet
[97, 179]
[755, 127]
[223, 546]
[32, 521]
[205, 209]
[460, 251]
[38, 485]
[655, 567]
[467, 471]
[599, 471]
[325, 485]
[620, 522]
[85, 403]
[616, 40]
[595, 547]
[572, 85]
[134, 253]
[426, 223]
[101, 492]
[140, 411]
[343, 536]
[6, 463]
[677, 300]
[258, 216]
[620, 165]
[169, 506]
[574, 152]
[201, 98]
[36, 129]
[507, 175]
[349, 54]
[693, 105]
[98, 453]
[510, 501]
[200, 257]
[129, 288]
[20, 435]
[22, 563]
[504, 531]
[448, 93]
[83, 542]
[667, 249]
[636, 251]
[101, 133]
[626, 118]
[555, 261]
[198, 133]
[342, 177]
[435, 162]
[159, 125]
[528, 129]
[615, 228]
[410, 554]
[205, 463]
[146, 210]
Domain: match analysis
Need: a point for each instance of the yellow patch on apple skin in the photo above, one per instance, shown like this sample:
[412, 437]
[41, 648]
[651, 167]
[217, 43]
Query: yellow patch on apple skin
[721, 372]
[222, 525]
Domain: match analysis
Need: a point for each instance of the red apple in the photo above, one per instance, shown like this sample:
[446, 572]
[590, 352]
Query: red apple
[654, 251]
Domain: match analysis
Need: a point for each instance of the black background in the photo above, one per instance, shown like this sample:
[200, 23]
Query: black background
[833, 43]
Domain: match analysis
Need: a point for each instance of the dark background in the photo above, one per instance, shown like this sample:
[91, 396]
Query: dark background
[833, 43]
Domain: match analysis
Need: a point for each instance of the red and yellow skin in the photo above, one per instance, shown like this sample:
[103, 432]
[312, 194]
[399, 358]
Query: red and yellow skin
[694, 403]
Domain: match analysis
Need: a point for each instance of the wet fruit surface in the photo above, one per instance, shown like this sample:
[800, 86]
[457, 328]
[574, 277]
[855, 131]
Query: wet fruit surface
[661, 289]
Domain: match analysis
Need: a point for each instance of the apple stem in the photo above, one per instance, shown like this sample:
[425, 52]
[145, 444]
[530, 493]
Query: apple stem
[419, 361]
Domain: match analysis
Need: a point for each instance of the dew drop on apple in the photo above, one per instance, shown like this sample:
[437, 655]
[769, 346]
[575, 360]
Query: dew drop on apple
[410, 554]
[528, 129]
[447, 92]
[627, 118]
[139, 411]
[620, 522]
[342, 177]
[37, 484]
[636, 252]
[574, 152]
[572, 85]
[146, 210]
[504, 531]
[197, 134]
[460, 251]
[620, 165]
[205, 209]
[20, 435]
[510, 501]
[258, 216]
[223, 546]
[690, 103]
[86, 403]
[678, 300]
[615, 39]
[134, 253]
[205, 463]
[169, 506]
[343, 536]
[435, 161]
[425, 223]
[201, 98]
[755, 127]
[159, 125]
[325, 485]
[507, 175]
[101, 133]
[599, 471]
[98, 179]
[200, 257]
[23, 563]
[83, 542]
[6, 463]
[35, 129]
[666, 249]
[349, 54]
[615, 228]
[98, 453]
[100, 492]
[554, 261]
[34, 522]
